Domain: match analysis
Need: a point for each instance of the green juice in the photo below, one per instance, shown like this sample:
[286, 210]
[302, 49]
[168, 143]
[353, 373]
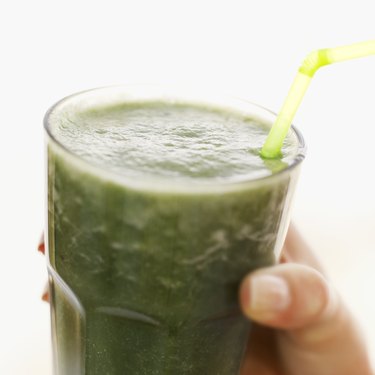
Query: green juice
[157, 208]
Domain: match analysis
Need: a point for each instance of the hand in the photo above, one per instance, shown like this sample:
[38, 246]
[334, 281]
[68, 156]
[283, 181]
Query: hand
[303, 327]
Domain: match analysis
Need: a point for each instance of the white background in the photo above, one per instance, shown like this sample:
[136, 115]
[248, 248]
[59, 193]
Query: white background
[49, 49]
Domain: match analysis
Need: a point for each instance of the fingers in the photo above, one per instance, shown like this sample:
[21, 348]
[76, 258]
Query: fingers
[45, 295]
[317, 335]
[41, 248]
[288, 296]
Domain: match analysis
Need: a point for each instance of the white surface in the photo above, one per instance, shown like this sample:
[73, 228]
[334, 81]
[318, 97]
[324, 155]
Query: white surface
[252, 49]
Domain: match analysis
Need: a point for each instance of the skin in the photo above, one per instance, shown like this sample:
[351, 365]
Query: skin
[302, 328]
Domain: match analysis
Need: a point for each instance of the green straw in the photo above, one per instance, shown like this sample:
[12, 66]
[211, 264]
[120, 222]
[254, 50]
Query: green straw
[315, 60]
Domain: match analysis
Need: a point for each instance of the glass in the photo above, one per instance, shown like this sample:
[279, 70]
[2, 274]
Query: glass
[144, 274]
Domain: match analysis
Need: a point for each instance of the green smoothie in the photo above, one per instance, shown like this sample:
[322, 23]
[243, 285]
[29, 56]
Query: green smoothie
[156, 210]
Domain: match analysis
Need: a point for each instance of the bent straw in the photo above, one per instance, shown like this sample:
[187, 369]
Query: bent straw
[315, 60]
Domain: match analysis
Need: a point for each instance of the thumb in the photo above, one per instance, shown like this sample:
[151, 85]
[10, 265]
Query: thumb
[317, 334]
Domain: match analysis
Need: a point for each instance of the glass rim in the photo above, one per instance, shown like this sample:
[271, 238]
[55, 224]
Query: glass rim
[164, 184]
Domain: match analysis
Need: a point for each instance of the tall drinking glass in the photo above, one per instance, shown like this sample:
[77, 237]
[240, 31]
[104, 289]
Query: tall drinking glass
[144, 273]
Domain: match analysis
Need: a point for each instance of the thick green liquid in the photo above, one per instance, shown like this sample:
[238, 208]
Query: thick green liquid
[143, 280]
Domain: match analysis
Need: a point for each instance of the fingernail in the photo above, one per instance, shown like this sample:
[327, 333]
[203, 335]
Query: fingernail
[268, 295]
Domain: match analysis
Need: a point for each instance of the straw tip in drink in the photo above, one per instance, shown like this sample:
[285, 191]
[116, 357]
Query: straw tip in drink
[267, 153]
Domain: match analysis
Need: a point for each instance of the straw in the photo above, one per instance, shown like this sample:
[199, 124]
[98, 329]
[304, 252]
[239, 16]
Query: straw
[315, 60]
